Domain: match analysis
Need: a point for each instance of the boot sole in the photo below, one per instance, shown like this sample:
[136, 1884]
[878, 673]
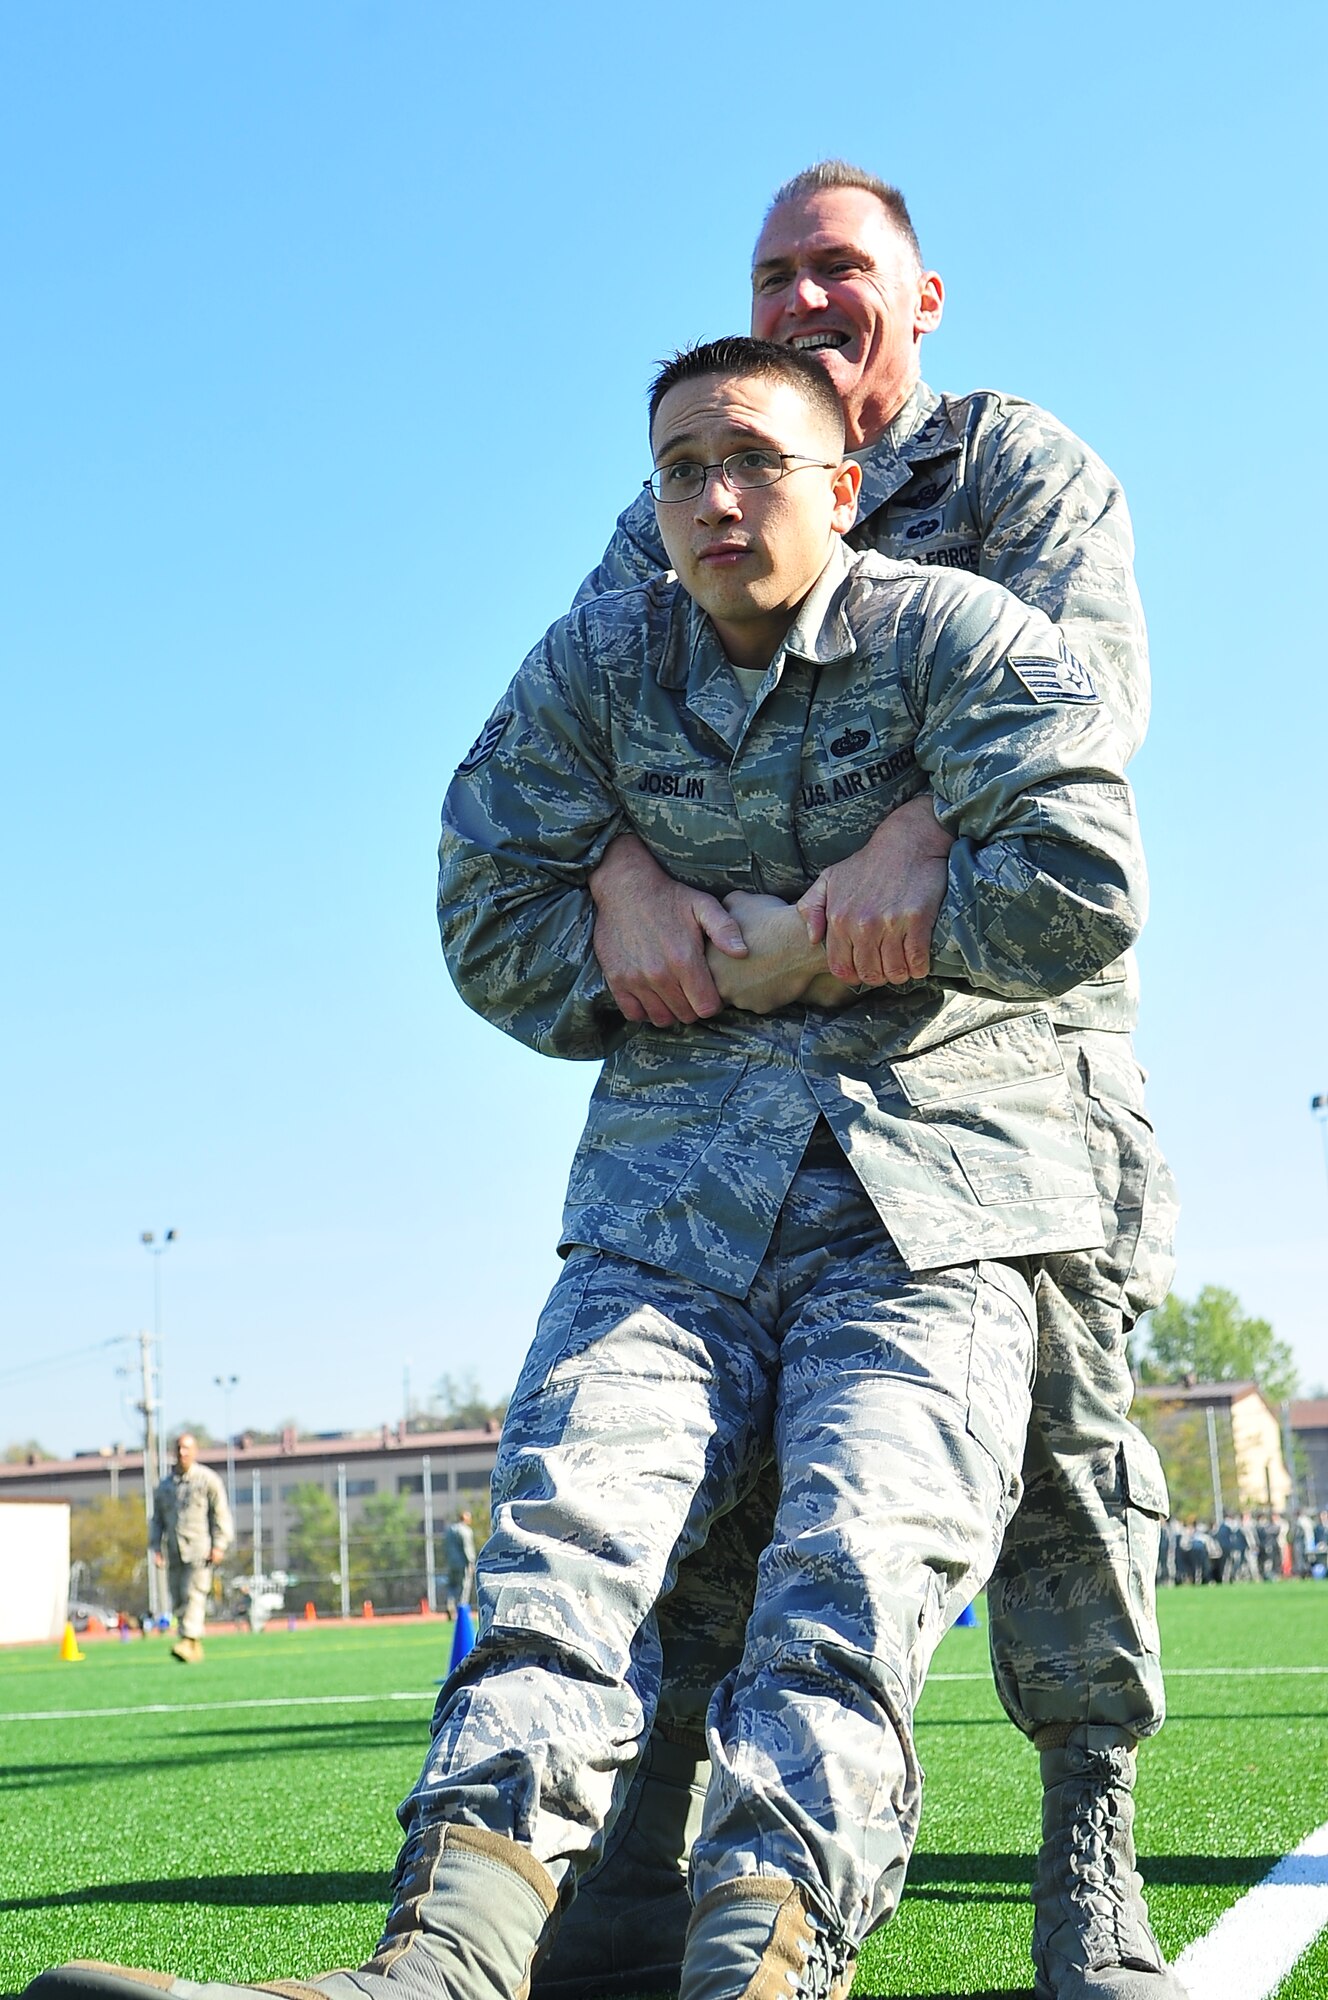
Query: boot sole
[78, 1982]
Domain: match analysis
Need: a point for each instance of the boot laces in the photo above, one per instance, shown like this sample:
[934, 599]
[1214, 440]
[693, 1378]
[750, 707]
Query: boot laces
[1101, 1882]
[824, 1964]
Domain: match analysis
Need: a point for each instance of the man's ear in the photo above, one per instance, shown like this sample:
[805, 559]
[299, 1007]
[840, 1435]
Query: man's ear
[931, 303]
[845, 487]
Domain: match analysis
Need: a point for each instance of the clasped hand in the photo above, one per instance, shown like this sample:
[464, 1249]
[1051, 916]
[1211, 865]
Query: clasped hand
[673, 955]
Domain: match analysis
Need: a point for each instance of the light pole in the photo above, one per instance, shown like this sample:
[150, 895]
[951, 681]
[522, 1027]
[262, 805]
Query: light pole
[1319, 1106]
[227, 1383]
[157, 1251]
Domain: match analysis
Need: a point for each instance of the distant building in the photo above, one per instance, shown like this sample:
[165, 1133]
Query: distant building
[1262, 1479]
[382, 1461]
[1309, 1427]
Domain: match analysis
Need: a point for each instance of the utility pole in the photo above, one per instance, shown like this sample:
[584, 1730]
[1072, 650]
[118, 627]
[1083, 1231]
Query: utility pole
[257, 1490]
[1319, 1106]
[430, 1580]
[1214, 1466]
[1289, 1454]
[157, 1251]
[227, 1385]
[148, 1407]
[343, 1541]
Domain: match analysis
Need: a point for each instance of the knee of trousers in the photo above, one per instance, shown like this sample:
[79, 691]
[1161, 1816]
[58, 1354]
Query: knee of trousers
[815, 1774]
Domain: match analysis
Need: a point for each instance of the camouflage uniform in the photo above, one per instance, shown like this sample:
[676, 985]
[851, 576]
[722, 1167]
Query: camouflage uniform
[190, 1518]
[866, 1322]
[459, 1561]
[988, 484]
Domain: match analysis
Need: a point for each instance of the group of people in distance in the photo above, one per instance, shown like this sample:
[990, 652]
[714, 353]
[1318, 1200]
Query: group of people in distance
[1243, 1548]
[810, 823]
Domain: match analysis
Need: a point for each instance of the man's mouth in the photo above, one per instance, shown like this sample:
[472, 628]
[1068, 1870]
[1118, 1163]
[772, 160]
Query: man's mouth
[809, 343]
[722, 553]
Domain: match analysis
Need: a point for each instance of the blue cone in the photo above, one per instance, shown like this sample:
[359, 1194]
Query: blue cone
[463, 1638]
[968, 1616]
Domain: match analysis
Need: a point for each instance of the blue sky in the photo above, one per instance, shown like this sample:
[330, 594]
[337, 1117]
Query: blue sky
[302, 304]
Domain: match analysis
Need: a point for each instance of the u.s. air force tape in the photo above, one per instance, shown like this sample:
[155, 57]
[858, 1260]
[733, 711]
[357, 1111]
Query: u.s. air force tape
[484, 745]
[1060, 679]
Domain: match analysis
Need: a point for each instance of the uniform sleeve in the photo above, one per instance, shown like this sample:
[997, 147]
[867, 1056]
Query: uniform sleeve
[526, 820]
[1047, 882]
[635, 554]
[1056, 531]
[221, 1528]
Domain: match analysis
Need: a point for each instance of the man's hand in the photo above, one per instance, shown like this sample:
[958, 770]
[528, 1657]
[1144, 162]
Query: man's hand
[651, 938]
[876, 909]
[159, 1558]
[782, 965]
[214, 1556]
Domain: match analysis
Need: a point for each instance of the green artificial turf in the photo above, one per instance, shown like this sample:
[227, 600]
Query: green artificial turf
[256, 1843]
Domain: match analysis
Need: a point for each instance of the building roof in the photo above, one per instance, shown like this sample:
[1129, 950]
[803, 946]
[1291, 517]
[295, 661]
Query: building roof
[1200, 1392]
[1310, 1414]
[290, 1450]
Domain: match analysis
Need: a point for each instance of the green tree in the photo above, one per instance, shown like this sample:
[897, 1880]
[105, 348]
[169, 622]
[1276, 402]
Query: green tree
[1180, 1433]
[313, 1547]
[111, 1538]
[459, 1404]
[1213, 1339]
[29, 1452]
[387, 1555]
[200, 1433]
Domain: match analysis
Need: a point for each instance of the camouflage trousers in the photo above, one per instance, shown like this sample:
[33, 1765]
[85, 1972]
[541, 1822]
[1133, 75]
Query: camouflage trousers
[190, 1584]
[1072, 1600]
[894, 1407]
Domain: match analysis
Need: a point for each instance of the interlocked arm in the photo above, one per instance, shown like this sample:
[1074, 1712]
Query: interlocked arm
[653, 937]
[875, 910]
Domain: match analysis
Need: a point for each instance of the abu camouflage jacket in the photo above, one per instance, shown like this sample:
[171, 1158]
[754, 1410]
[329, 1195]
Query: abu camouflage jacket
[948, 1095]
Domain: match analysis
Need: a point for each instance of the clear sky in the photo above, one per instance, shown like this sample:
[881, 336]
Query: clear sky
[304, 307]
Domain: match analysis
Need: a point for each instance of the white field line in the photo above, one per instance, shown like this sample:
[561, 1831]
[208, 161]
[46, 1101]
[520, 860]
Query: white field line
[430, 1694]
[1253, 1945]
[211, 1707]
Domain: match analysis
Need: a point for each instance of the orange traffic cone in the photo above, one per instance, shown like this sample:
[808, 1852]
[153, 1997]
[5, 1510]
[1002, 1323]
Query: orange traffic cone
[311, 1612]
[69, 1645]
[368, 1607]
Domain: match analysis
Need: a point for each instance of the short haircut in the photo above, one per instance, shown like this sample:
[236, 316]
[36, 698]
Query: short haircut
[840, 174]
[739, 354]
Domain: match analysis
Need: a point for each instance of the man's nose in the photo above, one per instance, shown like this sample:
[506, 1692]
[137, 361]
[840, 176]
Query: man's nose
[717, 500]
[806, 295]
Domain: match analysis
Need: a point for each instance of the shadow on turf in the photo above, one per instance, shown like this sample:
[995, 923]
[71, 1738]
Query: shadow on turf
[940, 1878]
[954, 1878]
[221, 1891]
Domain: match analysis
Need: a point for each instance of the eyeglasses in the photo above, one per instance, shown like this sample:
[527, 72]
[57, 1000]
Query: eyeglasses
[741, 470]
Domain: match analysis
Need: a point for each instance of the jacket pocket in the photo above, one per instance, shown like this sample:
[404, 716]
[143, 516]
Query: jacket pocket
[1000, 1098]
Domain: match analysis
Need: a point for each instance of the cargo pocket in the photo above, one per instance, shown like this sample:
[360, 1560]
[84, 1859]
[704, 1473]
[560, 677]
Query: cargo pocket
[1135, 1185]
[1142, 1489]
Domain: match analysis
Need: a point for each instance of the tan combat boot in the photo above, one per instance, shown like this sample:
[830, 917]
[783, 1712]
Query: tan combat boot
[1091, 1936]
[760, 1938]
[469, 1910]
